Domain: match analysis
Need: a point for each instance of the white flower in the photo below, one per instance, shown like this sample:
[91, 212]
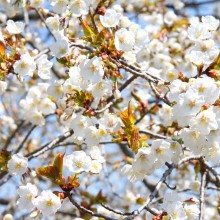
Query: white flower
[144, 161]
[79, 7]
[206, 86]
[78, 162]
[166, 114]
[93, 135]
[205, 121]
[132, 174]
[92, 69]
[60, 48]
[171, 75]
[193, 140]
[8, 217]
[210, 22]
[141, 38]
[176, 88]
[43, 67]
[79, 124]
[14, 27]
[101, 88]
[17, 165]
[198, 31]
[110, 122]
[110, 19]
[59, 6]
[214, 153]
[47, 106]
[36, 3]
[47, 202]
[169, 18]
[189, 104]
[96, 166]
[53, 23]
[192, 211]
[27, 194]
[75, 81]
[55, 89]
[197, 57]
[3, 86]
[25, 66]
[96, 154]
[162, 151]
[124, 40]
[176, 211]
[35, 117]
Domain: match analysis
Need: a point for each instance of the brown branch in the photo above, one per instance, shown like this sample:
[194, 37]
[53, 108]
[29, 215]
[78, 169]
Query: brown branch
[202, 194]
[85, 210]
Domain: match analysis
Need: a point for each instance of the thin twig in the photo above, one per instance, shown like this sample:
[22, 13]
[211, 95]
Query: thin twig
[85, 210]
[25, 139]
[202, 194]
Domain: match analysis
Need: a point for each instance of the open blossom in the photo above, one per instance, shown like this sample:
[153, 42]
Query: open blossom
[193, 140]
[43, 67]
[47, 202]
[92, 69]
[96, 166]
[79, 124]
[59, 6]
[17, 165]
[124, 40]
[176, 88]
[56, 89]
[8, 217]
[53, 23]
[96, 154]
[192, 211]
[110, 122]
[166, 114]
[79, 7]
[37, 3]
[210, 22]
[27, 194]
[142, 165]
[144, 160]
[110, 19]
[162, 151]
[60, 48]
[198, 31]
[25, 66]
[205, 121]
[189, 104]
[78, 162]
[94, 135]
[132, 174]
[101, 88]
[14, 27]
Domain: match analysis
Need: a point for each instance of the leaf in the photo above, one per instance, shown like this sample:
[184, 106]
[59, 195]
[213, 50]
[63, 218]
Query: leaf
[58, 163]
[73, 181]
[127, 118]
[99, 198]
[2, 47]
[134, 140]
[5, 156]
[88, 31]
[132, 133]
[50, 172]
[54, 172]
